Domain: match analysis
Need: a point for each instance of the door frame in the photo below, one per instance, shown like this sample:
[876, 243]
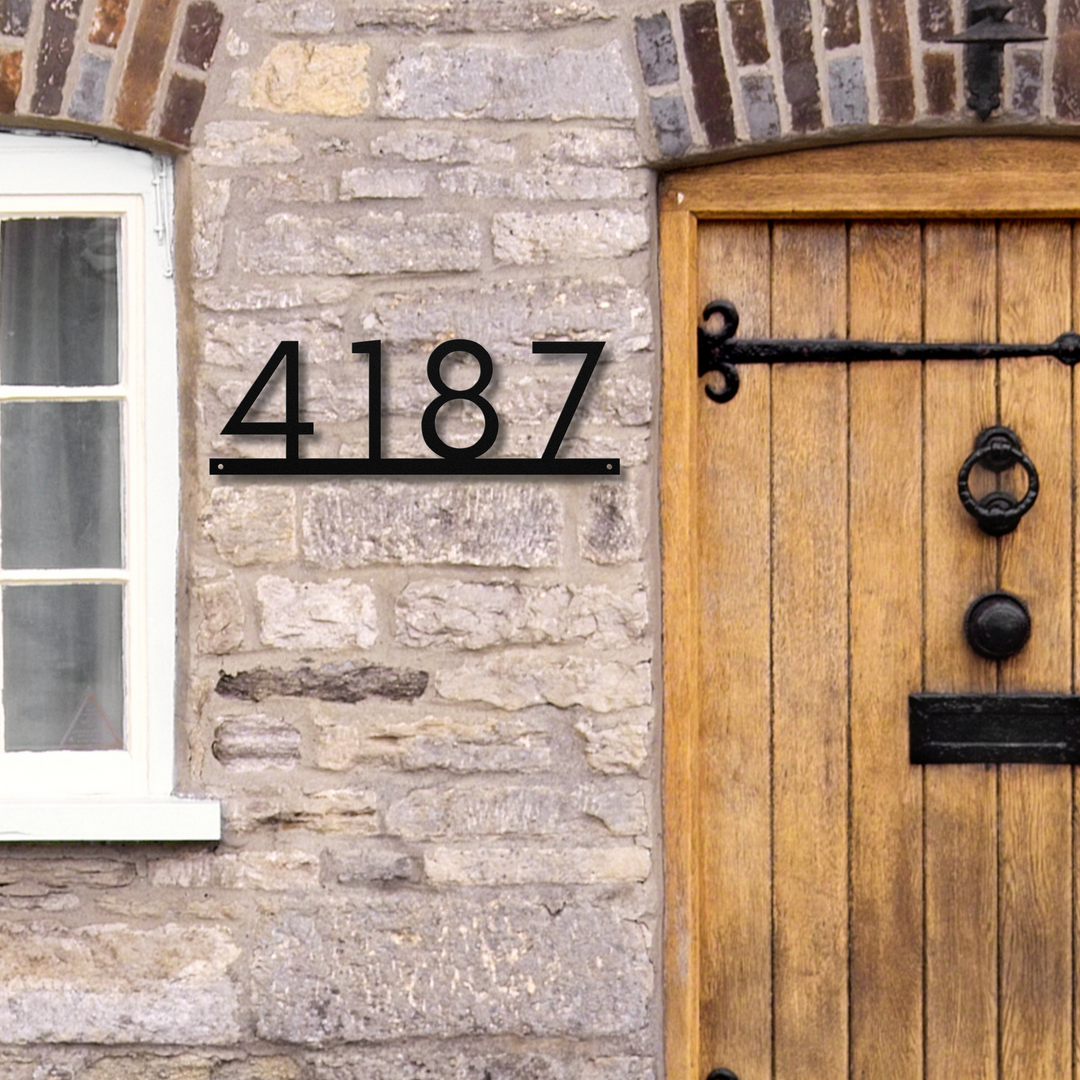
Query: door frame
[987, 177]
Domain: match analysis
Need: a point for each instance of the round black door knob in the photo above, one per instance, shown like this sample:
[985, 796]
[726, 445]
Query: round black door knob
[997, 625]
[721, 1074]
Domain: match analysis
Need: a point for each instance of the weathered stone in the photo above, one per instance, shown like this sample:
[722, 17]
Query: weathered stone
[527, 239]
[573, 144]
[168, 1066]
[762, 111]
[456, 524]
[657, 54]
[473, 615]
[482, 81]
[478, 16]
[495, 865]
[514, 810]
[48, 875]
[332, 682]
[249, 343]
[252, 524]
[88, 99]
[369, 244]
[610, 532]
[256, 741]
[438, 1060]
[616, 744]
[244, 142]
[301, 17]
[671, 122]
[301, 77]
[515, 316]
[218, 614]
[118, 984]
[445, 147]
[265, 870]
[336, 810]
[847, 91]
[364, 183]
[293, 187]
[209, 203]
[549, 181]
[456, 743]
[505, 682]
[262, 298]
[410, 966]
[375, 863]
[315, 615]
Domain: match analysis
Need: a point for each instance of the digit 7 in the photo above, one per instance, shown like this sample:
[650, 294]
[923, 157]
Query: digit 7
[592, 351]
[292, 429]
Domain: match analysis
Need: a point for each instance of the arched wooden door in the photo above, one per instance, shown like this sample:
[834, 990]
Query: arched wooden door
[832, 910]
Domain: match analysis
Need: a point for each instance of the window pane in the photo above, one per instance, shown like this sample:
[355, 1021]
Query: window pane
[63, 667]
[59, 484]
[59, 301]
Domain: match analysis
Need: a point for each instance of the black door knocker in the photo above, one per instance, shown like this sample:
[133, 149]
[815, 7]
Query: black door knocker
[997, 449]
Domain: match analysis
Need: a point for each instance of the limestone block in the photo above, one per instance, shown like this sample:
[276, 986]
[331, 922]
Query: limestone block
[264, 870]
[495, 865]
[480, 16]
[252, 524]
[458, 743]
[610, 532]
[448, 1061]
[256, 741]
[303, 77]
[249, 343]
[456, 524]
[209, 204]
[117, 983]
[528, 239]
[476, 615]
[301, 17]
[157, 1067]
[413, 966]
[364, 244]
[513, 809]
[572, 144]
[216, 297]
[42, 875]
[547, 182]
[315, 615]
[292, 187]
[244, 142]
[363, 183]
[499, 83]
[218, 614]
[332, 682]
[616, 744]
[506, 682]
[375, 863]
[445, 147]
[334, 810]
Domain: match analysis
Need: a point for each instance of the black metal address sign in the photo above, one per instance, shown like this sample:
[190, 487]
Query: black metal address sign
[451, 460]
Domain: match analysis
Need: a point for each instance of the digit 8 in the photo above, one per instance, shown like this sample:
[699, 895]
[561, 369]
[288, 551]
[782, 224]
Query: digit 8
[472, 393]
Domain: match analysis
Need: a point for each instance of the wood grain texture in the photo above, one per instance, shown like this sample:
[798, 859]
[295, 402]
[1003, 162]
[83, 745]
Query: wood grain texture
[965, 178]
[735, 658]
[961, 563]
[810, 627]
[885, 275]
[682, 985]
[1035, 838]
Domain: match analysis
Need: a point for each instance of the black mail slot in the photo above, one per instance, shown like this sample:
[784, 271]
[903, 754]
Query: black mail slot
[994, 728]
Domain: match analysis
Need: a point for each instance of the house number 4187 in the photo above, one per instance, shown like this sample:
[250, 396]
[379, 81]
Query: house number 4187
[451, 460]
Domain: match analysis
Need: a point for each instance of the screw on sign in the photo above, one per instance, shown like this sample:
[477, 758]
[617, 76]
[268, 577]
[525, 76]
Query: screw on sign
[452, 460]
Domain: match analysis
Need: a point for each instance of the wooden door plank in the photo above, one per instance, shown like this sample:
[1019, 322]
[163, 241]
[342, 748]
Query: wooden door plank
[885, 275]
[810, 695]
[682, 1036]
[1076, 641]
[961, 562]
[1035, 801]
[734, 757]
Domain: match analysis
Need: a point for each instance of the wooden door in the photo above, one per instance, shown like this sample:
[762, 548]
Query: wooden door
[832, 910]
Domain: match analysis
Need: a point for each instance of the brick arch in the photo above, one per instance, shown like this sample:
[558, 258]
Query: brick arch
[721, 74]
[133, 70]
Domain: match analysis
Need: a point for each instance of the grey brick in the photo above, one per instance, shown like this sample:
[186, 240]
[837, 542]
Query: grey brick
[847, 91]
[411, 966]
[656, 50]
[762, 112]
[474, 524]
[88, 99]
[480, 81]
[671, 124]
[1027, 82]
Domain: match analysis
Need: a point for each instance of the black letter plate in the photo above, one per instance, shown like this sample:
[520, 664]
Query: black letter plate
[991, 728]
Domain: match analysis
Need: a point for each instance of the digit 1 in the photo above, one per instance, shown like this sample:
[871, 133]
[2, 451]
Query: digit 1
[373, 351]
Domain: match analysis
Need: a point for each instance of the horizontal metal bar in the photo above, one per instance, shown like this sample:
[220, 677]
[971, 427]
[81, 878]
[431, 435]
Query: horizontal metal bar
[414, 467]
[994, 728]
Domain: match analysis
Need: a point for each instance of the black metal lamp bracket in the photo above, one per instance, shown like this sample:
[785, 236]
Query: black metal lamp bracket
[721, 353]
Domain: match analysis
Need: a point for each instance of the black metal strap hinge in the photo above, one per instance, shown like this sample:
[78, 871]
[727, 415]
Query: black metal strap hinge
[719, 352]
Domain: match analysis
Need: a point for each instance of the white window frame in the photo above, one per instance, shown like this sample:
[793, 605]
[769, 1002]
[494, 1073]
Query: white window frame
[116, 794]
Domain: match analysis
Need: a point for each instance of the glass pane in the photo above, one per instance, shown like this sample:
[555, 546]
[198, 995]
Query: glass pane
[59, 484]
[59, 301]
[63, 667]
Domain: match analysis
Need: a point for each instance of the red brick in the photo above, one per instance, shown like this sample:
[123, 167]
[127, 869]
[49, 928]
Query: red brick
[935, 19]
[182, 107]
[748, 31]
[1029, 13]
[202, 25]
[1067, 75]
[841, 23]
[939, 71]
[110, 17]
[54, 55]
[10, 80]
[143, 72]
[800, 71]
[892, 56]
[712, 91]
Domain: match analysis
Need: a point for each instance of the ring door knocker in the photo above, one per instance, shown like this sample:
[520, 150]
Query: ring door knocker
[997, 449]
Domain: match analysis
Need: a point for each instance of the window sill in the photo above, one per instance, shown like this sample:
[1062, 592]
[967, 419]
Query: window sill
[109, 819]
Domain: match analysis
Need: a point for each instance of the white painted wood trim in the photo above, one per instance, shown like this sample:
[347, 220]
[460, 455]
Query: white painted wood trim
[106, 819]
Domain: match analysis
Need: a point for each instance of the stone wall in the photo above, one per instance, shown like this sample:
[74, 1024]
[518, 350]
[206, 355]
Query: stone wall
[430, 709]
